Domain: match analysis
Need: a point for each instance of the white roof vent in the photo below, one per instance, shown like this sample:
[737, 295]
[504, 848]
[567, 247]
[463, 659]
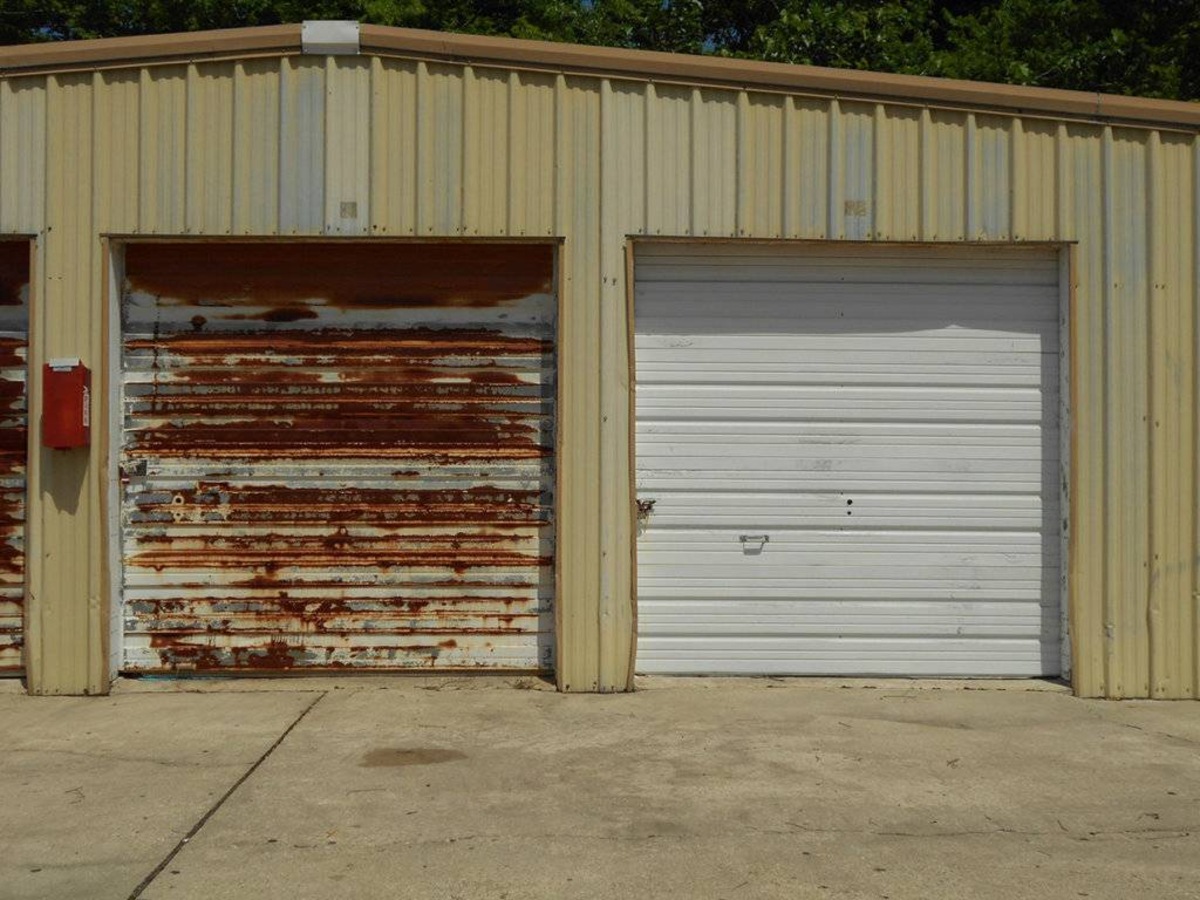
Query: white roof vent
[329, 38]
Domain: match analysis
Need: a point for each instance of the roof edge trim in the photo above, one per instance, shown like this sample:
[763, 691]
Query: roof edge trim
[148, 48]
[597, 61]
[750, 74]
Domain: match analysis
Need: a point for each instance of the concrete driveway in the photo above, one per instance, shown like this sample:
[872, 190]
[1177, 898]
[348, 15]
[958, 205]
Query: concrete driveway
[500, 788]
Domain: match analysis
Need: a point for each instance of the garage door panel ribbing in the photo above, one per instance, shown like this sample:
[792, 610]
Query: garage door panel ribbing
[914, 274]
[14, 413]
[355, 472]
[915, 658]
[887, 422]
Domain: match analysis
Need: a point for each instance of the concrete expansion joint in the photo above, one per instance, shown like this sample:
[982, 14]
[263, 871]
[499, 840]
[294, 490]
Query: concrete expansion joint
[795, 828]
[1062, 830]
[212, 810]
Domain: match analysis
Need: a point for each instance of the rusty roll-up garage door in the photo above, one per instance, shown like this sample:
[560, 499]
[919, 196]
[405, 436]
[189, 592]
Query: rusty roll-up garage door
[338, 455]
[14, 338]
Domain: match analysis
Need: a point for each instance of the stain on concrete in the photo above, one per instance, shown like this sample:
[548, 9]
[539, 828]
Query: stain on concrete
[410, 756]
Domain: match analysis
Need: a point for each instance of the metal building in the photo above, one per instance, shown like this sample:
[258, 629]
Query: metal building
[415, 350]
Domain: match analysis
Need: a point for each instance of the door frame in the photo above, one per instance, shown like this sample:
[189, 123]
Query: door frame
[1066, 252]
[32, 440]
[111, 419]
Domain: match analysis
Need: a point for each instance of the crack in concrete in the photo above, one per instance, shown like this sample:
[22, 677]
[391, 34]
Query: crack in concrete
[1164, 735]
[195, 829]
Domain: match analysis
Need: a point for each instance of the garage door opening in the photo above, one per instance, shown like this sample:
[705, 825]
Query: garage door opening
[337, 455]
[853, 457]
[14, 411]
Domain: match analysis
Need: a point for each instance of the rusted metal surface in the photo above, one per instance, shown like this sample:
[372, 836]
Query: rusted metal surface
[338, 456]
[14, 336]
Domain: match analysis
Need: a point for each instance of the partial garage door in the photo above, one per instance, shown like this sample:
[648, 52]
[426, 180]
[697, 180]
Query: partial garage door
[338, 456]
[853, 459]
[14, 338]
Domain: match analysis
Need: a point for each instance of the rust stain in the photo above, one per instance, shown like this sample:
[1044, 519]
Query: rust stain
[262, 411]
[14, 271]
[12, 353]
[274, 655]
[14, 277]
[266, 504]
[350, 275]
[394, 502]
[277, 314]
[351, 347]
[427, 379]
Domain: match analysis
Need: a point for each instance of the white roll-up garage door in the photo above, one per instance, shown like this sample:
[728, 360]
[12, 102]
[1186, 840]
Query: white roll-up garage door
[853, 458]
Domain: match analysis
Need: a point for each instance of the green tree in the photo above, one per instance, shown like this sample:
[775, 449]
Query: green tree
[1150, 48]
[854, 34]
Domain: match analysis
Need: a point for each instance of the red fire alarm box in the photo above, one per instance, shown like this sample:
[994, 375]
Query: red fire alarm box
[66, 404]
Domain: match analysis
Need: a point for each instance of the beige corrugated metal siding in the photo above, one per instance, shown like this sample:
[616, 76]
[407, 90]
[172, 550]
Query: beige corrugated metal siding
[383, 146]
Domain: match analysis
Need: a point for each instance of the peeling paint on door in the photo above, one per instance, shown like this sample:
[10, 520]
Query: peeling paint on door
[14, 338]
[338, 456]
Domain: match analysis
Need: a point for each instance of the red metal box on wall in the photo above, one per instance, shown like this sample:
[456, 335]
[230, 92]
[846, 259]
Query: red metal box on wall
[66, 404]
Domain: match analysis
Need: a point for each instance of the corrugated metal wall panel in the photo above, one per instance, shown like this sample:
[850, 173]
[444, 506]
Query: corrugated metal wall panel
[257, 137]
[440, 151]
[1035, 182]
[668, 170]
[163, 152]
[66, 622]
[805, 164]
[1172, 380]
[1127, 468]
[623, 111]
[338, 456]
[976, 175]
[1089, 619]
[22, 154]
[898, 178]
[856, 211]
[393, 148]
[209, 143]
[616, 615]
[1192, 303]
[14, 339]
[117, 164]
[531, 154]
[486, 123]
[347, 132]
[990, 172]
[301, 145]
[582, 497]
[943, 194]
[714, 162]
[760, 166]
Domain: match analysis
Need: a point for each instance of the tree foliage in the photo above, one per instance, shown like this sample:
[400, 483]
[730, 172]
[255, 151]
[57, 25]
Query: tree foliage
[1151, 47]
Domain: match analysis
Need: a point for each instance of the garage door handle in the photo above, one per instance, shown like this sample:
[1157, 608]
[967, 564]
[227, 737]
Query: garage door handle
[754, 538]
